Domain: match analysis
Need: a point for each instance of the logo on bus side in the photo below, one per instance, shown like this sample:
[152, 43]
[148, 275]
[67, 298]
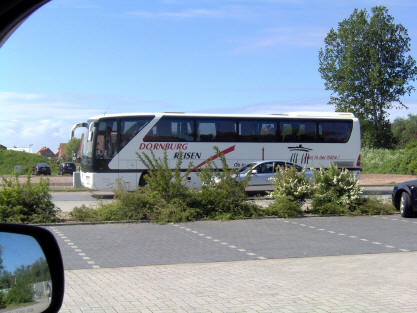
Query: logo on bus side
[296, 157]
[301, 155]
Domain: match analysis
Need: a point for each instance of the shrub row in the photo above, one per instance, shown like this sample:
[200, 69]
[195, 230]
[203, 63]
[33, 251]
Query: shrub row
[332, 191]
[166, 198]
[27, 202]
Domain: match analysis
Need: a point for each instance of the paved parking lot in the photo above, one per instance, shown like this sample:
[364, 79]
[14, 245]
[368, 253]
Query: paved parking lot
[357, 283]
[121, 245]
[317, 264]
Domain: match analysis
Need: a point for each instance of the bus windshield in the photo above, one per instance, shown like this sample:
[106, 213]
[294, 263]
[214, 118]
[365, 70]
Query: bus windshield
[87, 138]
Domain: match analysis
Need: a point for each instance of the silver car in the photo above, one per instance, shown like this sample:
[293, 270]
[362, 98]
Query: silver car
[262, 171]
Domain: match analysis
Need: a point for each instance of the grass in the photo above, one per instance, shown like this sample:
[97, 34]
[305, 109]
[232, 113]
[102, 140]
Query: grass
[384, 161]
[9, 159]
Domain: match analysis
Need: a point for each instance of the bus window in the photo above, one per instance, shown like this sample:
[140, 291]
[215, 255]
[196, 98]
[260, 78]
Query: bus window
[335, 131]
[217, 130]
[107, 139]
[206, 130]
[298, 131]
[226, 130]
[257, 130]
[130, 127]
[172, 129]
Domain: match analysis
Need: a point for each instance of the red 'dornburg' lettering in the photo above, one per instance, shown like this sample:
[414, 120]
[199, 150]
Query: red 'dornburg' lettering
[163, 146]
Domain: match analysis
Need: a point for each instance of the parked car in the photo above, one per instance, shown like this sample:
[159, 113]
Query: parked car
[261, 172]
[67, 168]
[404, 198]
[42, 169]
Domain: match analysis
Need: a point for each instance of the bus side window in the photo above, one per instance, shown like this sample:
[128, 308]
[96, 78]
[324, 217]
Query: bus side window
[172, 129]
[226, 130]
[206, 130]
[130, 127]
[335, 131]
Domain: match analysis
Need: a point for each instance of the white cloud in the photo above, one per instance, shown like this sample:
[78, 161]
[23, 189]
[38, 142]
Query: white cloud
[46, 120]
[41, 120]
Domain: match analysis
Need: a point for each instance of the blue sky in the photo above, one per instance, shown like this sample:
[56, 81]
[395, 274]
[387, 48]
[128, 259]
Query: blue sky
[19, 250]
[76, 58]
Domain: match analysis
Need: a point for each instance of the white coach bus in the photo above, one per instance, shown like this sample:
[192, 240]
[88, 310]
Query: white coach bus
[110, 143]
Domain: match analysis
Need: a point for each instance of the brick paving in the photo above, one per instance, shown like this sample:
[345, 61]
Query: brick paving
[384, 282]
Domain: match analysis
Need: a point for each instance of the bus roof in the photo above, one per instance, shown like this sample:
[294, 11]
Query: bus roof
[329, 115]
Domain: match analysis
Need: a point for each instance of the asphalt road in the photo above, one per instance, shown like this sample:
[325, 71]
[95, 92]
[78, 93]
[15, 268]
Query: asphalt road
[124, 245]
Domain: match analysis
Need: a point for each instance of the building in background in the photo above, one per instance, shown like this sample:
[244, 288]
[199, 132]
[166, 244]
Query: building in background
[46, 152]
[21, 149]
[60, 154]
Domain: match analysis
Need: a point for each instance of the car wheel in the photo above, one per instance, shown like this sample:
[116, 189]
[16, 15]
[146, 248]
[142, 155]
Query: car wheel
[405, 205]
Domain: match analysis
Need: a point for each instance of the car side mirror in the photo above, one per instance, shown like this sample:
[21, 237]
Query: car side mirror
[254, 171]
[31, 270]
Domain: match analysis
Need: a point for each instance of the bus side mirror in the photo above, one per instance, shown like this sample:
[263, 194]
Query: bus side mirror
[31, 262]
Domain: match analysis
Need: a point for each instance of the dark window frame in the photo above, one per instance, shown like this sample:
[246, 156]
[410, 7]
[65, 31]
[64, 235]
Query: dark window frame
[277, 137]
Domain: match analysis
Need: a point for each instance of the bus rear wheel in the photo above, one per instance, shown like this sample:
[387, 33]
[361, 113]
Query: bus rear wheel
[142, 180]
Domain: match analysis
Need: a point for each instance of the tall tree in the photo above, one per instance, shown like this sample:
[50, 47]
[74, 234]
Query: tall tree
[367, 66]
[72, 147]
[405, 130]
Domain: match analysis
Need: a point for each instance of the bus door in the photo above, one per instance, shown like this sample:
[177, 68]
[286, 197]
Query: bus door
[107, 147]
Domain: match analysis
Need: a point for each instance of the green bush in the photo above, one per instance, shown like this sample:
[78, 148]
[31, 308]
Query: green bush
[324, 204]
[26, 203]
[161, 179]
[292, 189]
[22, 292]
[289, 182]
[284, 206]
[335, 186]
[373, 206]
[222, 194]
[333, 191]
[2, 301]
[165, 198]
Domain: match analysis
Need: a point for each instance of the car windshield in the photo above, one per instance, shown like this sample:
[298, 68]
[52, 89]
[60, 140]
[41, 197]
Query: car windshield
[42, 165]
[246, 168]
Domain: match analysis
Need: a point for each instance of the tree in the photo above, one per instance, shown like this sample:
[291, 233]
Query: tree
[72, 146]
[367, 66]
[405, 130]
